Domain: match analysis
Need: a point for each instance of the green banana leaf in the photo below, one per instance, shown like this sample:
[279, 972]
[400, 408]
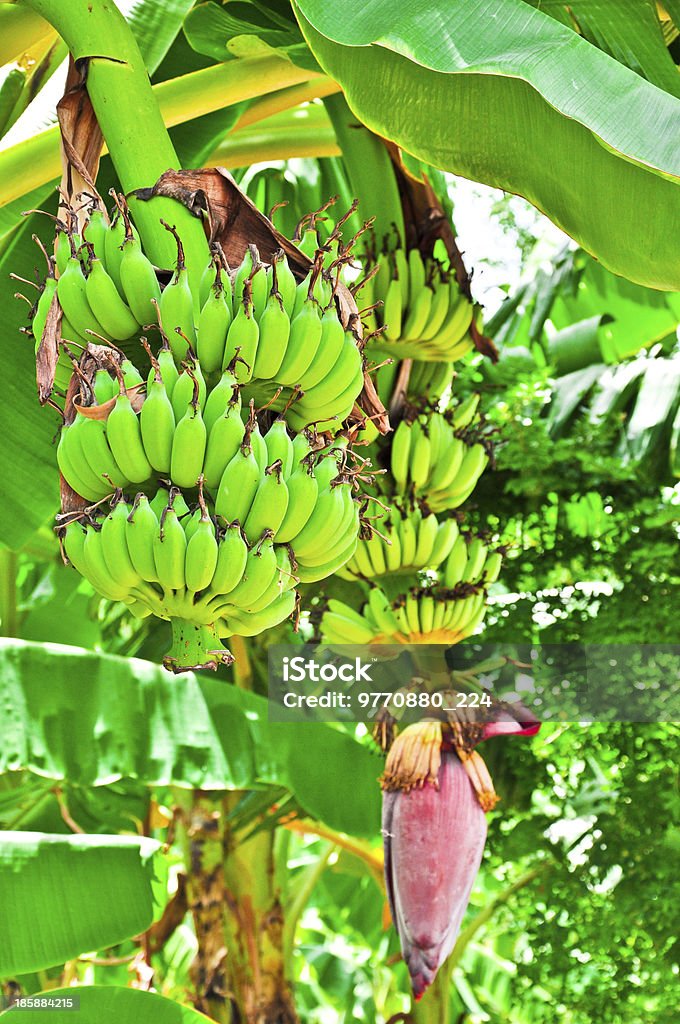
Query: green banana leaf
[62, 896]
[108, 1004]
[627, 29]
[499, 92]
[92, 719]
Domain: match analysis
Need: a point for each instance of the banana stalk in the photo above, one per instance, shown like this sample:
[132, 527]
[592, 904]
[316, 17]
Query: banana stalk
[195, 647]
[128, 114]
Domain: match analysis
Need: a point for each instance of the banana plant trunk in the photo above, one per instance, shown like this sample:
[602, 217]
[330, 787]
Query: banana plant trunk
[239, 971]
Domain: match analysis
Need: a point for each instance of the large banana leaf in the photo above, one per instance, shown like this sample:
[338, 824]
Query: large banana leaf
[92, 719]
[627, 29]
[499, 92]
[110, 1005]
[64, 895]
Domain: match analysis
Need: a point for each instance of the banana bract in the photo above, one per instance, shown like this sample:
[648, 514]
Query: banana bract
[434, 839]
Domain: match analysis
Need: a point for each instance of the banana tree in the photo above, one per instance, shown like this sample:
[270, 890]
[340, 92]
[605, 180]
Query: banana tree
[237, 782]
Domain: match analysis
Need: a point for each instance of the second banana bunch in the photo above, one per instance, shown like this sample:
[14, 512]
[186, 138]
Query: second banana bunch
[228, 566]
[421, 312]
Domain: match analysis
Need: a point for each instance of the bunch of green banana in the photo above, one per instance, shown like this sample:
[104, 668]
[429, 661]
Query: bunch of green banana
[423, 616]
[422, 313]
[434, 459]
[407, 542]
[161, 557]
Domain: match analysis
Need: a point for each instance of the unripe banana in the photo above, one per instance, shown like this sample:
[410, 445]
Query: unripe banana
[113, 254]
[115, 550]
[269, 506]
[168, 369]
[328, 351]
[177, 306]
[104, 387]
[213, 324]
[139, 282]
[202, 550]
[189, 445]
[303, 491]
[274, 332]
[280, 446]
[400, 455]
[157, 423]
[261, 569]
[71, 290]
[96, 570]
[238, 486]
[183, 391]
[111, 311]
[232, 554]
[392, 310]
[427, 535]
[312, 574]
[455, 563]
[286, 285]
[224, 440]
[125, 439]
[305, 338]
[225, 393]
[251, 624]
[140, 530]
[169, 550]
[243, 334]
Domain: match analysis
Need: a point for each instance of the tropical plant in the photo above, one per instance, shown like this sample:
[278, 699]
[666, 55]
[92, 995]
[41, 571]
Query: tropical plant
[249, 417]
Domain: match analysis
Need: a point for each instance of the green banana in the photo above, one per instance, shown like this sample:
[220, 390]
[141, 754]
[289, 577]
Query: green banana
[125, 439]
[138, 281]
[213, 324]
[140, 528]
[232, 554]
[280, 446]
[224, 440]
[303, 491]
[238, 486]
[157, 422]
[274, 332]
[102, 295]
[328, 352]
[189, 445]
[200, 560]
[269, 506]
[177, 305]
[169, 549]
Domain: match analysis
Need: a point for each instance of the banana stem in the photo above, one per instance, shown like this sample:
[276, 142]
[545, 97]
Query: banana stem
[195, 648]
[9, 619]
[130, 119]
[36, 161]
[370, 170]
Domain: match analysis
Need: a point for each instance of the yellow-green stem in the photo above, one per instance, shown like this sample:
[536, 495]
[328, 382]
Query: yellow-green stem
[128, 114]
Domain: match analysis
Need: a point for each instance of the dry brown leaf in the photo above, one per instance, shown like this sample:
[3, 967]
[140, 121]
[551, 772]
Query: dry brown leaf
[81, 138]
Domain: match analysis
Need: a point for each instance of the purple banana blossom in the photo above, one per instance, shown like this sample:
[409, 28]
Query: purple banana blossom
[436, 789]
[434, 841]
